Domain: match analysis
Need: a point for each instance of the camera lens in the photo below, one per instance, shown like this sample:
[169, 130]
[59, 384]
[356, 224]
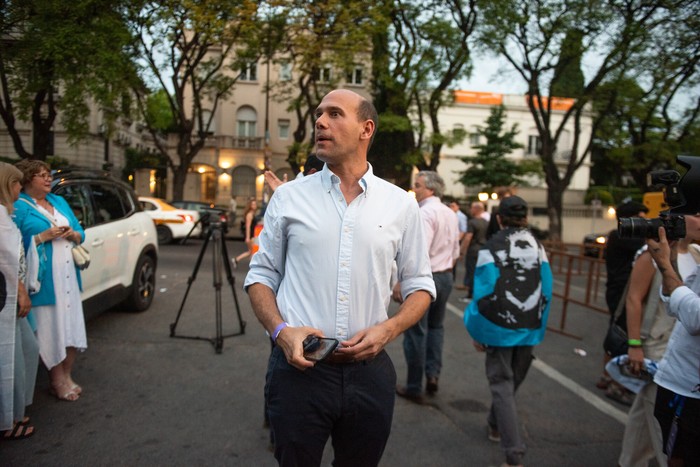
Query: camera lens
[638, 227]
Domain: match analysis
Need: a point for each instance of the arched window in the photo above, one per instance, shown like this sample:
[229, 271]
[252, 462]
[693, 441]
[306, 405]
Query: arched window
[246, 119]
[243, 181]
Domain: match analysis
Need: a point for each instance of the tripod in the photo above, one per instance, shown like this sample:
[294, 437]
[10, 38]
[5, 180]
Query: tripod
[219, 258]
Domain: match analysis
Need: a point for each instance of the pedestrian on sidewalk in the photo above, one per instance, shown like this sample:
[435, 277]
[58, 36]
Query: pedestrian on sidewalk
[508, 316]
[422, 342]
[469, 250]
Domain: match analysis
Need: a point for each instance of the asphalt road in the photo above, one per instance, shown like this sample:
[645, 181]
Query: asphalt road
[150, 399]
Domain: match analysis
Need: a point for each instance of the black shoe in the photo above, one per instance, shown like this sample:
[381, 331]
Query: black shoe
[415, 398]
[431, 386]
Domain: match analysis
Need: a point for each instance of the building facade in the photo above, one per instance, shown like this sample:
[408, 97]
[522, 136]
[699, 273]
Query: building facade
[252, 131]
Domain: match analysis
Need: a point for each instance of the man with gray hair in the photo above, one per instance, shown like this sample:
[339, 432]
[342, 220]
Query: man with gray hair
[423, 341]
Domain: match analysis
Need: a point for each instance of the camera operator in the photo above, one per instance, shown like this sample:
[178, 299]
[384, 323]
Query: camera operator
[678, 399]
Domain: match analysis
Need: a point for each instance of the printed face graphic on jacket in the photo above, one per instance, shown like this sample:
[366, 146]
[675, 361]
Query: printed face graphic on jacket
[517, 300]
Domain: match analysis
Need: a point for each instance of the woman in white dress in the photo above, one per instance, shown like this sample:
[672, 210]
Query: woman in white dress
[47, 220]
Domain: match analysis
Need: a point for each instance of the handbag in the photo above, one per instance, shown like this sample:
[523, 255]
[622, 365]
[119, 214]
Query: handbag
[81, 257]
[615, 342]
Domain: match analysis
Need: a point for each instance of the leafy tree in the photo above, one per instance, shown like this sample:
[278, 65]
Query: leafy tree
[650, 113]
[60, 56]
[490, 167]
[190, 51]
[424, 50]
[530, 34]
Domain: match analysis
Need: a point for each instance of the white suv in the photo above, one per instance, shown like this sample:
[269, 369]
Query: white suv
[121, 239]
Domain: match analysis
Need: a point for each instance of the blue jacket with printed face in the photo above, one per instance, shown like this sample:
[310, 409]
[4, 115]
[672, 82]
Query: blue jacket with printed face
[512, 291]
[31, 222]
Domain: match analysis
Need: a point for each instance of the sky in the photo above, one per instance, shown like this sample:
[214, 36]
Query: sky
[493, 75]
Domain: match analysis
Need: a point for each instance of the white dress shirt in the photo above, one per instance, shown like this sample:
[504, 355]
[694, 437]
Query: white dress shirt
[441, 233]
[330, 263]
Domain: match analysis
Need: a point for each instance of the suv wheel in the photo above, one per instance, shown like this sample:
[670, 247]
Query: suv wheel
[143, 285]
[165, 236]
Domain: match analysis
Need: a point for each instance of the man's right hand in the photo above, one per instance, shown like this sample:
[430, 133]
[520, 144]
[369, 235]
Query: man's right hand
[291, 339]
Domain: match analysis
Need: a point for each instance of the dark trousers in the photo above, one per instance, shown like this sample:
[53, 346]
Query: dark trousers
[687, 444]
[423, 342]
[353, 403]
[506, 368]
[470, 265]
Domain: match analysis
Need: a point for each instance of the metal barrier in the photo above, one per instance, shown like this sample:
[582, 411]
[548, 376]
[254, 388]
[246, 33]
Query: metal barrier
[570, 264]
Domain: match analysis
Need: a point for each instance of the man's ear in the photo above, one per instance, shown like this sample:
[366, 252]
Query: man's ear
[367, 130]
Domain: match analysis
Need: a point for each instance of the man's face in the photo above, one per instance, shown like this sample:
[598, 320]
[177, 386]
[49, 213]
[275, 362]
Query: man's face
[420, 189]
[454, 206]
[338, 129]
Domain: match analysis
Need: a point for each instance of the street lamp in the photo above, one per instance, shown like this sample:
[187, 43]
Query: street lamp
[483, 196]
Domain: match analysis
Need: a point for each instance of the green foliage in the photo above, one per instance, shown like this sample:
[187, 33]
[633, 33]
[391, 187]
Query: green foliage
[61, 54]
[57, 163]
[159, 114]
[619, 194]
[490, 167]
[568, 78]
[604, 196]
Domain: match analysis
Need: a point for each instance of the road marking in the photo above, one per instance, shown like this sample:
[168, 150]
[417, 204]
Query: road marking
[568, 383]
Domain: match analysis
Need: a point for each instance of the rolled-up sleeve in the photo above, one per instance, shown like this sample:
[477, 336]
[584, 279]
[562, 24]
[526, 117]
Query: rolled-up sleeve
[267, 264]
[413, 263]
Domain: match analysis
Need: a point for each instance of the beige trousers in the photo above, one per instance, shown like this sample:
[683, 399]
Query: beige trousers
[642, 440]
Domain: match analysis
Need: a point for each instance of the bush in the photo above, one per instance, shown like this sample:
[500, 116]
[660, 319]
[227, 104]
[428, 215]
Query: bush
[605, 197]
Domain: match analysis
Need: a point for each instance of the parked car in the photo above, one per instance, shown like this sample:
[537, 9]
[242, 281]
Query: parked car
[208, 213]
[594, 244]
[171, 222]
[120, 237]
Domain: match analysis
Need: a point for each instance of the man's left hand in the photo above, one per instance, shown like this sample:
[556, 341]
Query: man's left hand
[366, 344]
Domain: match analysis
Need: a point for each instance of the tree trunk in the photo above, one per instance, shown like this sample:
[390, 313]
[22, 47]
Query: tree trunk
[179, 177]
[554, 210]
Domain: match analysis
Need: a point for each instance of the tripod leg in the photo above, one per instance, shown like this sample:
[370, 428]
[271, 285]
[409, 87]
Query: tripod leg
[190, 280]
[216, 264]
[232, 281]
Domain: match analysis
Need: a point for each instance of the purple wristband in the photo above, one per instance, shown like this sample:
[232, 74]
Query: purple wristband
[277, 331]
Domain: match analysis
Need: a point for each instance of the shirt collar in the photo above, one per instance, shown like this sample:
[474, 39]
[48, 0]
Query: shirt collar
[328, 178]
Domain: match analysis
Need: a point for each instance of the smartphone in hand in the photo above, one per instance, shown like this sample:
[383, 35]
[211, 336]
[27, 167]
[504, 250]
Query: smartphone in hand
[318, 348]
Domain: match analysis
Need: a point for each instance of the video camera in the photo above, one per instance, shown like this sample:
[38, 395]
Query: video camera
[681, 194]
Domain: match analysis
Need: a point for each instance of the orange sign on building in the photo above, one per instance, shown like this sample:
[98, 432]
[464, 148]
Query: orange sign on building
[483, 98]
[558, 103]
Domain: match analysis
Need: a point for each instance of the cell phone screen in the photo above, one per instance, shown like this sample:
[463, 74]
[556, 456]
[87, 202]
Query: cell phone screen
[318, 348]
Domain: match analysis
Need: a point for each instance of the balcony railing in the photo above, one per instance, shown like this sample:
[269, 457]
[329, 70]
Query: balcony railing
[235, 142]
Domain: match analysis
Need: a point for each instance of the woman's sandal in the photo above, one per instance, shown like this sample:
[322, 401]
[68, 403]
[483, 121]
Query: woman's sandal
[19, 431]
[70, 395]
